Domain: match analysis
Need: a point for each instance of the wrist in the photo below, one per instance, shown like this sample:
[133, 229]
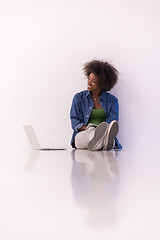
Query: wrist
[82, 128]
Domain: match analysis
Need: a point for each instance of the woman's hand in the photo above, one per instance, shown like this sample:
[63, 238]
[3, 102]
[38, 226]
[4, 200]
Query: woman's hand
[82, 128]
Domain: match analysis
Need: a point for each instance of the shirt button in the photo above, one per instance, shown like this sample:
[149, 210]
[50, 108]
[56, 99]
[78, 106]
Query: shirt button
[87, 116]
[90, 108]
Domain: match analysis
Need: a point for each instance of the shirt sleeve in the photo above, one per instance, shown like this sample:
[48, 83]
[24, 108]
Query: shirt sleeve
[113, 112]
[76, 114]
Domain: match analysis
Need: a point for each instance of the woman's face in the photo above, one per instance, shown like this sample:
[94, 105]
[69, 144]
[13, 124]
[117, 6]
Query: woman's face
[92, 83]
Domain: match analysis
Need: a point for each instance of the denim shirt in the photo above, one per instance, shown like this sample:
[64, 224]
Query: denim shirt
[81, 109]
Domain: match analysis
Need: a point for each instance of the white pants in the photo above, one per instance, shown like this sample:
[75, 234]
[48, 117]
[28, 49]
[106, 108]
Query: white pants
[83, 138]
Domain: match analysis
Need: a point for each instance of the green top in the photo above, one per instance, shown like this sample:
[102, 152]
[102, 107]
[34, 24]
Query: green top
[97, 116]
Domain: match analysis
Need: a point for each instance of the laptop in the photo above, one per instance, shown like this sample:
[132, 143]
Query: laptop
[34, 141]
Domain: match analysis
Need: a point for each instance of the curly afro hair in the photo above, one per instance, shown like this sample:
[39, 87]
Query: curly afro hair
[106, 73]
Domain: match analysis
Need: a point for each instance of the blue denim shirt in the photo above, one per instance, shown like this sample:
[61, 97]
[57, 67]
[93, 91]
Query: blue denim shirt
[82, 106]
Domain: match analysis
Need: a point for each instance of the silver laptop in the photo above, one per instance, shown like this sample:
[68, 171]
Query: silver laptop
[34, 141]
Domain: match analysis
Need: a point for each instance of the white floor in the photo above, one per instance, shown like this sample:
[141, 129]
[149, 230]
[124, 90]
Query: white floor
[79, 195]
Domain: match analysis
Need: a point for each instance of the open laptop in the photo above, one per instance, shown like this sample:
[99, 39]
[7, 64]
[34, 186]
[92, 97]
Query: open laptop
[34, 141]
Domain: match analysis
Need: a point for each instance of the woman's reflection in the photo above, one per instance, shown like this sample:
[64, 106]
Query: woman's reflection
[95, 182]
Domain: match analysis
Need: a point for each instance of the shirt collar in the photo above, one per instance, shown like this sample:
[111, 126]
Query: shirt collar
[88, 93]
[103, 95]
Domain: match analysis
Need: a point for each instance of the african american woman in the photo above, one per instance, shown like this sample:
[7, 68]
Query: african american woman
[94, 112]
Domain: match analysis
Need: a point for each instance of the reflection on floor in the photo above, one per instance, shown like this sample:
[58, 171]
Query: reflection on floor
[95, 184]
[78, 194]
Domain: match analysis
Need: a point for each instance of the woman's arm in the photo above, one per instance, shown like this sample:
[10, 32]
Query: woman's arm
[76, 115]
[113, 112]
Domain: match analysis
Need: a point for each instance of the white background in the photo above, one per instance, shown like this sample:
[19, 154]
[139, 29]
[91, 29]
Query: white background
[78, 194]
[43, 46]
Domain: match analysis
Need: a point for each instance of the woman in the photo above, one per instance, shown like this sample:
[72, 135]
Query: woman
[94, 112]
